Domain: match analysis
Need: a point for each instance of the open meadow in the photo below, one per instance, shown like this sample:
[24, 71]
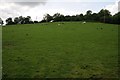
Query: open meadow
[60, 50]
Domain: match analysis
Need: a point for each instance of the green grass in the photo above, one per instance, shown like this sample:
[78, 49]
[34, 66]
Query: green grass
[71, 50]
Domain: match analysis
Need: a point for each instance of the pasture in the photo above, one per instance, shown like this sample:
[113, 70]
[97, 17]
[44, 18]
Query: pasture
[68, 50]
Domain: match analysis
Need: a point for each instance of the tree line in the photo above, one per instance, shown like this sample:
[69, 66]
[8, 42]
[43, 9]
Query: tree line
[102, 16]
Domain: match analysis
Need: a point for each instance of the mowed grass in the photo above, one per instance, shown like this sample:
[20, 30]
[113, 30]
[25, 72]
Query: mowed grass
[70, 50]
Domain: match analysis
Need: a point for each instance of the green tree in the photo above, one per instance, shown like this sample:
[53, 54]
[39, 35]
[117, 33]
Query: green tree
[58, 17]
[73, 18]
[16, 20]
[116, 18]
[88, 15]
[47, 17]
[9, 21]
[1, 22]
[67, 18]
[95, 17]
[104, 16]
[27, 20]
[81, 16]
[21, 20]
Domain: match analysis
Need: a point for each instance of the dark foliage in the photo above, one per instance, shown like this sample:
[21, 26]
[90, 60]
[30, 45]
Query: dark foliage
[102, 16]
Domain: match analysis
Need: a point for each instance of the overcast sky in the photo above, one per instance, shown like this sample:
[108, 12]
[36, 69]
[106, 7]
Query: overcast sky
[37, 8]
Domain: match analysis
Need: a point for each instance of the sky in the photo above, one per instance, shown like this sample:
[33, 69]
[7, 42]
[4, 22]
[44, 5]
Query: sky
[38, 8]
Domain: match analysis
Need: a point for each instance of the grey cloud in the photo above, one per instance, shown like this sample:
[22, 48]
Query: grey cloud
[22, 0]
[30, 4]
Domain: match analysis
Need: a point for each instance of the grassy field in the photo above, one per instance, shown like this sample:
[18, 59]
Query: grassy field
[70, 50]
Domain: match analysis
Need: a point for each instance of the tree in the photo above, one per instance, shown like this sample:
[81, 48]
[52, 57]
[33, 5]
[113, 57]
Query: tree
[104, 16]
[47, 18]
[116, 18]
[42, 21]
[61, 18]
[95, 17]
[81, 17]
[9, 21]
[67, 18]
[1, 22]
[31, 22]
[16, 20]
[27, 20]
[21, 20]
[88, 15]
[36, 22]
[73, 18]
[89, 12]
[58, 17]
